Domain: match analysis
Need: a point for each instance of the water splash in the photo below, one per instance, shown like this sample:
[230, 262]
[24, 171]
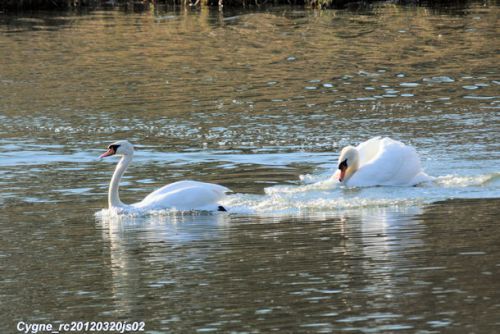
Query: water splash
[467, 181]
[322, 193]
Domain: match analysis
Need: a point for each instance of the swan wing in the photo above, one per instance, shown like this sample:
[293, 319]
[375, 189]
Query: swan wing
[188, 184]
[185, 195]
[369, 149]
[388, 162]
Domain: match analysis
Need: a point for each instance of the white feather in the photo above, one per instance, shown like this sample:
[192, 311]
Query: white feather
[184, 195]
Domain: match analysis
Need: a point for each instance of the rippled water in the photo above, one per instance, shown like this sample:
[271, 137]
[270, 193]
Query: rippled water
[261, 102]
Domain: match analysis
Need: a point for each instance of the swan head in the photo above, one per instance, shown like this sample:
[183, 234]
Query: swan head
[348, 162]
[121, 147]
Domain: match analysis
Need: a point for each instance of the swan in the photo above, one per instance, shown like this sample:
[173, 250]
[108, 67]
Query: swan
[380, 162]
[181, 195]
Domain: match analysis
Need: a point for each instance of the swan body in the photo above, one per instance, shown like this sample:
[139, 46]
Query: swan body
[380, 162]
[181, 195]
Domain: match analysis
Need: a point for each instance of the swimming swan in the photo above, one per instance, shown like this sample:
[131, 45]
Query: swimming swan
[181, 195]
[380, 162]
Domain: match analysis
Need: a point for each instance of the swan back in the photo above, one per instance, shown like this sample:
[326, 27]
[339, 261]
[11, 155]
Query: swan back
[185, 195]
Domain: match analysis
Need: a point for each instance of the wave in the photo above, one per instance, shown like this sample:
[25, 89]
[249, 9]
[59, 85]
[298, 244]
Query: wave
[322, 194]
[467, 181]
[291, 205]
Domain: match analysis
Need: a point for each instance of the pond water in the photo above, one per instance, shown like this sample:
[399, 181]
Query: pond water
[260, 102]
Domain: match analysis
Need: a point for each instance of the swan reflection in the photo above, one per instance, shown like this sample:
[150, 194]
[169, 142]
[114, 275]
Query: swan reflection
[181, 257]
[170, 227]
[158, 251]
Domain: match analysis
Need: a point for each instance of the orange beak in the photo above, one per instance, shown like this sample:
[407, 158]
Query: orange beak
[342, 173]
[109, 152]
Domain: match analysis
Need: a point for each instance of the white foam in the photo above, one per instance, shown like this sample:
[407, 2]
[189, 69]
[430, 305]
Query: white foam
[328, 195]
[466, 181]
[308, 178]
[319, 197]
[320, 184]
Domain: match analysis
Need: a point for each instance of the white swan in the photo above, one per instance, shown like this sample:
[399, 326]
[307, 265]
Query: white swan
[380, 162]
[181, 195]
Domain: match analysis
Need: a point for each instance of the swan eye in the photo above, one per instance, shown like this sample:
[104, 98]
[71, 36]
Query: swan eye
[343, 164]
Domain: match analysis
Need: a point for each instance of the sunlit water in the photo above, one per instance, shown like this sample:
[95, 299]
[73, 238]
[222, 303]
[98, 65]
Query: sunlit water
[261, 102]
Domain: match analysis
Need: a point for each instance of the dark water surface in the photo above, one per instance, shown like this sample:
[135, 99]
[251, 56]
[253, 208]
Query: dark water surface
[260, 102]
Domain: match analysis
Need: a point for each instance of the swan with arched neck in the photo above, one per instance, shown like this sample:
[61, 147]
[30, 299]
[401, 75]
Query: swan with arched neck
[380, 162]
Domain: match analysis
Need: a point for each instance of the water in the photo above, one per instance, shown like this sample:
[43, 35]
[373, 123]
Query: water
[261, 102]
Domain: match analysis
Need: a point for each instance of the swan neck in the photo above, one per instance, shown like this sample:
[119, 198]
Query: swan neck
[113, 195]
[352, 168]
[350, 171]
